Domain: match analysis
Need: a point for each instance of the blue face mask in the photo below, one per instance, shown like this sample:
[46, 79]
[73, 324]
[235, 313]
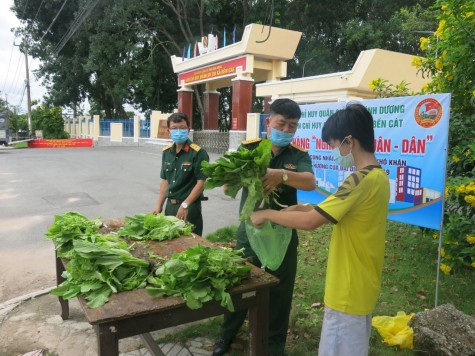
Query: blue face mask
[179, 135]
[344, 161]
[281, 138]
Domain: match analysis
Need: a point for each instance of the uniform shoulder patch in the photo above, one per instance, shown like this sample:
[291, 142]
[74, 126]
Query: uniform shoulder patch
[252, 140]
[167, 147]
[195, 147]
[298, 147]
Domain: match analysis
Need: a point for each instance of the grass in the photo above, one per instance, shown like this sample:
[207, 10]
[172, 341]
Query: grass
[20, 145]
[408, 284]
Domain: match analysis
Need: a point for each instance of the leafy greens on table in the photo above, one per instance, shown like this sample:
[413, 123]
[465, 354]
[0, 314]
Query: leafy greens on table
[101, 264]
[69, 226]
[98, 269]
[154, 227]
[200, 274]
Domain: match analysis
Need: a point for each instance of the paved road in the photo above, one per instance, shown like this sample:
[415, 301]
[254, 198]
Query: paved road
[36, 184]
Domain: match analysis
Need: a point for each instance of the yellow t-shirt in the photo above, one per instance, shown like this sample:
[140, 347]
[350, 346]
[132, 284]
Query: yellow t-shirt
[358, 209]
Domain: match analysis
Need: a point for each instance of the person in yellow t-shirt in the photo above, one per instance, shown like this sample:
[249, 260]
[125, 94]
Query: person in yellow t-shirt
[358, 210]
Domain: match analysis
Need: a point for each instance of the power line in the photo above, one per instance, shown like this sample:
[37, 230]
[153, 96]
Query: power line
[13, 46]
[80, 18]
[54, 20]
[38, 11]
[85, 11]
[270, 17]
[13, 84]
[24, 9]
[22, 95]
[8, 69]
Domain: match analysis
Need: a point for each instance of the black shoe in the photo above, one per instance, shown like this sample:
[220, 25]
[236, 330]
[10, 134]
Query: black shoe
[221, 346]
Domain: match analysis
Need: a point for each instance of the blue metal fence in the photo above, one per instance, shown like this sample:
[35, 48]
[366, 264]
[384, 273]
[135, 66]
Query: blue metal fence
[263, 126]
[127, 127]
[145, 128]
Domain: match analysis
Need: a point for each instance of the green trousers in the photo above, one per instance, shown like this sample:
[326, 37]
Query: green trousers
[280, 300]
[194, 214]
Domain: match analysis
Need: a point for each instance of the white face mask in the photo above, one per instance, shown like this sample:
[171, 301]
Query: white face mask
[344, 161]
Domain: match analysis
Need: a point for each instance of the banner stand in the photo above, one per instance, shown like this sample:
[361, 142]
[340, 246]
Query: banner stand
[438, 270]
[410, 134]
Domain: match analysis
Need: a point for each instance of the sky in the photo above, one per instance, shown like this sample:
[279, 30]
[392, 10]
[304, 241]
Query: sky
[12, 63]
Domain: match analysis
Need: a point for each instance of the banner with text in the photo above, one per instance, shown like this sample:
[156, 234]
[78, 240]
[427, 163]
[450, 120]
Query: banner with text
[61, 143]
[215, 71]
[411, 138]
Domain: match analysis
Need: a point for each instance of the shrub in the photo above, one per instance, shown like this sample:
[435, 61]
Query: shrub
[459, 212]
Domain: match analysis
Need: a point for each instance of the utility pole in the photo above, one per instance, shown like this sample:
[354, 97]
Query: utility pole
[28, 97]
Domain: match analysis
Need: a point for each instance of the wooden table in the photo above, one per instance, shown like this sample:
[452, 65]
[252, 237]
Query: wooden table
[135, 312]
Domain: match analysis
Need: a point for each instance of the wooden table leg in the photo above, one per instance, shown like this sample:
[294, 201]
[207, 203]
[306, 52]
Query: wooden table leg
[259, 324]
[59, 279]
[107, 340]
[151, 345]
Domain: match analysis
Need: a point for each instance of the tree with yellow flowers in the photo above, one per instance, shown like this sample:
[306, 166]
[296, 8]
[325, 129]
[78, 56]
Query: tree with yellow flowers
[449, 58]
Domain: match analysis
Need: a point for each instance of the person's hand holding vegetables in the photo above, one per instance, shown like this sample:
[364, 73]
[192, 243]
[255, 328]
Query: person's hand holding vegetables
[272, 179]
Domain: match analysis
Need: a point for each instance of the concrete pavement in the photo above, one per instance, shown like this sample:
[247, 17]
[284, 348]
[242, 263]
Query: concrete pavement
[36, 184]
[33, 324]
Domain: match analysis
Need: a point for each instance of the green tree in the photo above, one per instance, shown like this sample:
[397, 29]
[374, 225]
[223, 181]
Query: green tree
[17, 122]
[449, 60]
[120, 53]
[334, 36]
[48, 119]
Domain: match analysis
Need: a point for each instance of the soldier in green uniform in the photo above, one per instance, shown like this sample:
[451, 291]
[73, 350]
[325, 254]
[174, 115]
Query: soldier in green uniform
[290, 169]
[182, 182]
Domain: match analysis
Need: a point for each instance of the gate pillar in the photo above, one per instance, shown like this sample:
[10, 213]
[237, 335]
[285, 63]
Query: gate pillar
[267, 101]
[242, 102]
[211, 110]
[185, 103]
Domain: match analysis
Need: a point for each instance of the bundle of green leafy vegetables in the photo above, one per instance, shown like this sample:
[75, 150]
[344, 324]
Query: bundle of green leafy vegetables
[69, 226]
[237, 169]
[101, 264]
[154, 227]
[98, 266]
[200, 274]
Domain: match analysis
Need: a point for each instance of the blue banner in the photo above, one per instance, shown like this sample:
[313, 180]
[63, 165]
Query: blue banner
[411, 138]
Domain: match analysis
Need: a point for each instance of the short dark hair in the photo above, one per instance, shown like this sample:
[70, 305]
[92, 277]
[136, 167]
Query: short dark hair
[177, 117]
[354, 120]
[285, 107]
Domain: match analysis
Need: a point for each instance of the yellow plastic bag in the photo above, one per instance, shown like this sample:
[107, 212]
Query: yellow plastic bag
[394, 329]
